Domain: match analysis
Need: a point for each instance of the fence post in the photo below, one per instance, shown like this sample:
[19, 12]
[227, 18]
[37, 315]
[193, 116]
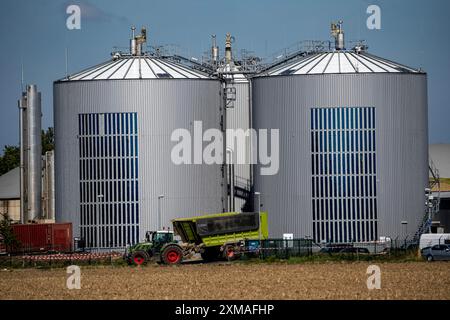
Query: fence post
[288, 249]
[261, 248]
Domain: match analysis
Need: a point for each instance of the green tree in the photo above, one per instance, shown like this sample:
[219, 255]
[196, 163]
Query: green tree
[48, 140]
[9, 239]
[11, 154]
[10, 159]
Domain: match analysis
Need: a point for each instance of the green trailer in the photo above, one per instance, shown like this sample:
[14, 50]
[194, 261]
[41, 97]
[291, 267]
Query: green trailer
[214, 236]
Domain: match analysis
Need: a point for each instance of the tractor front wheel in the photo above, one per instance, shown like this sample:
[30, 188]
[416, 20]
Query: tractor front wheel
[172, 254]
[139, 258]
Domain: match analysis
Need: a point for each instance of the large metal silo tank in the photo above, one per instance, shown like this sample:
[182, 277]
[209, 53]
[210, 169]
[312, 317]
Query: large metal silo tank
[321, 189]
[113, 126]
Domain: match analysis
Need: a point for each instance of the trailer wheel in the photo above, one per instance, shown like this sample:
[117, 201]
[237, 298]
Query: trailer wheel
[229, 253]
[139, 257]
[172, 254]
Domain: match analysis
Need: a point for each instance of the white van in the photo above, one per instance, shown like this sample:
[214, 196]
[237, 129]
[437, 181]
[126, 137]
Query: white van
[431, 239]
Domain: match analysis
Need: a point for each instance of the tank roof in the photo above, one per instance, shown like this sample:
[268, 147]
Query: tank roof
[333, 62]
[136, 67]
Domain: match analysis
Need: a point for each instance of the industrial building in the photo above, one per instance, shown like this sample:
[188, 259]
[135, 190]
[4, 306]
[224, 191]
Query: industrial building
[440, 161]
[10, 204]
[353, 145]
[10, 195]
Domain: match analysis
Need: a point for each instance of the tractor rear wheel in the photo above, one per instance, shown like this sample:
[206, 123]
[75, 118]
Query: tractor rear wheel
[172, 254]
[139, 257]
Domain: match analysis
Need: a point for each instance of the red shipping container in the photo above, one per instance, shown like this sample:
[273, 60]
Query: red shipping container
[43, 237]
[62, 236]
[2, 246]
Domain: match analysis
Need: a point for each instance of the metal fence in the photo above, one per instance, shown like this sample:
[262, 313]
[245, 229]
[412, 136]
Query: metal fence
[33, 257]
[285, 249]
[282, 249]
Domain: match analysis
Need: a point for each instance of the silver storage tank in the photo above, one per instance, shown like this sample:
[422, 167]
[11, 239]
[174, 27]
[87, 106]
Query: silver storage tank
[353, 146]
[113, 126]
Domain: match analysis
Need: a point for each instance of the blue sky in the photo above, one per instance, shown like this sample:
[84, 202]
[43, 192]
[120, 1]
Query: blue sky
[413, 32]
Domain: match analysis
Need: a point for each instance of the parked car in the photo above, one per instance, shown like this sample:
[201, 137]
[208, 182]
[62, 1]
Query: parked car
[437, 252]
[431, 239]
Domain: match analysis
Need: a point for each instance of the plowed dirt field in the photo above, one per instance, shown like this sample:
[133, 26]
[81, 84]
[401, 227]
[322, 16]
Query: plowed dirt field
[233, 281]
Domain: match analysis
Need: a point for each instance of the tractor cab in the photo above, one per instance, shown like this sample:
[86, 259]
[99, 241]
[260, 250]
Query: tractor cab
[158, 238]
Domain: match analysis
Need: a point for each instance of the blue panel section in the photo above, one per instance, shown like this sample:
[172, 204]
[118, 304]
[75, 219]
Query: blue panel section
[109, 207]
[343, 167]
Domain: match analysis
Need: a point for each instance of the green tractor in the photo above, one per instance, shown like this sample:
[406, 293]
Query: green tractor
[157, 243]
[213, 236]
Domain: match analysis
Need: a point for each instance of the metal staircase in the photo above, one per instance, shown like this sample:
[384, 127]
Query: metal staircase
[423, 228]
[431, 203]
[242, 190]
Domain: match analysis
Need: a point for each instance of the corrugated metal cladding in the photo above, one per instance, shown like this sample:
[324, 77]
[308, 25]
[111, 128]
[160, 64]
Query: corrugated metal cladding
[238, 117]
[129, 144]
[398, 103]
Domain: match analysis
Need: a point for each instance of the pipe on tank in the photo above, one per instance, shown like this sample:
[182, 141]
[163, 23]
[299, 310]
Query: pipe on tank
[231, 178]
[228, 54]
[22, 104]
[48, 186]
[137, 42]
[338, 33]
[51, 185]
[214, 49]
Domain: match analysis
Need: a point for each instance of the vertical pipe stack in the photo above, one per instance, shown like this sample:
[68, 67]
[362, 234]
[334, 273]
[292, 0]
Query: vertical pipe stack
[48, 186]
[30, 154]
